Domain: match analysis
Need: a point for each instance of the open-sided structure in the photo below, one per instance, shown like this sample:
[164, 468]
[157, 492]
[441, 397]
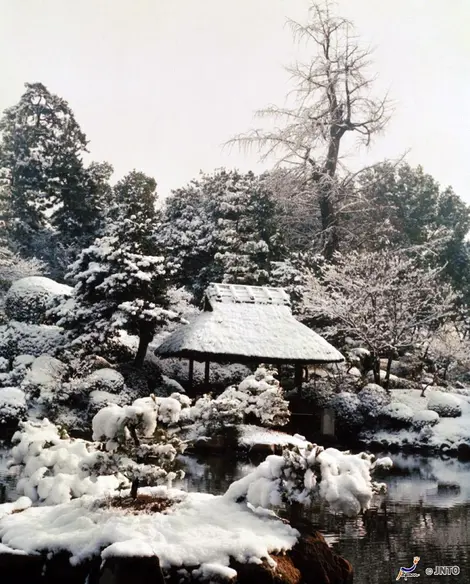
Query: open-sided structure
[247, 324]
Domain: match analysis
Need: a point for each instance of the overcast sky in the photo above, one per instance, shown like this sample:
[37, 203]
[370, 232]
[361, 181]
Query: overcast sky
[160, 85]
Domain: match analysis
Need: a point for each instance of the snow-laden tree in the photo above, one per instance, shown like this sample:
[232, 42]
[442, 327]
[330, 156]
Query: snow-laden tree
[222, 227]
[332, 97]
[133, 443]
[383, 299]
[50, 199]
[258, 398]
[121, 280]
[308, 473]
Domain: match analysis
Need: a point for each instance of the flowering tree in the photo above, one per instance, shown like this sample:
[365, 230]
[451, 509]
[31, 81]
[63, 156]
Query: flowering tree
[383, 299]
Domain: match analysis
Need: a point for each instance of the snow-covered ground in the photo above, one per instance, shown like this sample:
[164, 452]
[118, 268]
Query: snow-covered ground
[429, 422]
[201, 529]
[250, 435]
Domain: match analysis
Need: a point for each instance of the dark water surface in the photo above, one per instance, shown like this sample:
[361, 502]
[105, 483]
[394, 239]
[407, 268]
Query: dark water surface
[425, 513]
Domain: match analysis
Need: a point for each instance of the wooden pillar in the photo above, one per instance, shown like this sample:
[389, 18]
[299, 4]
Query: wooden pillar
[298, 377]
[191, 374]
[206, 375]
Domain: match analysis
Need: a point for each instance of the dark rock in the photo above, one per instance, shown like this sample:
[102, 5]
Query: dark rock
[18, 568]
[463, 451]
[284, 573]
[317, 562]
[138, 570]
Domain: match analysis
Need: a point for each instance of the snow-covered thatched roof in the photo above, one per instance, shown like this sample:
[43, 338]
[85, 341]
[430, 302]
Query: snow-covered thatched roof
[248, 323]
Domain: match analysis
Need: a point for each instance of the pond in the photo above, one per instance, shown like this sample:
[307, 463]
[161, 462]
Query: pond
[425, 513]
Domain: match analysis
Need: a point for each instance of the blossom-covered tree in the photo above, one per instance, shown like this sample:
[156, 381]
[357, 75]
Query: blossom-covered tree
[121, 280]
[383, 299]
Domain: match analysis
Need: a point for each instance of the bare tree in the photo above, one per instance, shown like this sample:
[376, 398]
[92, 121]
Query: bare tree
[332, 96]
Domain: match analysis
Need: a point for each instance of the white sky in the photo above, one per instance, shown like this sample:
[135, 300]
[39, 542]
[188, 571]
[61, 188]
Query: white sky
[160, 85]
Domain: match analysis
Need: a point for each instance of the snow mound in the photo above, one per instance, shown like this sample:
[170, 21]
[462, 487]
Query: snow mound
[201, 530]
[398, 411]
[28, 299]
[250, 435]
[445, 404]
[425, 418]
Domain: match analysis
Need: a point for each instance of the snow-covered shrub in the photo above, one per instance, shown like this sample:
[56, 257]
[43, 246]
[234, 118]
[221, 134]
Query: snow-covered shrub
[29, 299]
[259, 396]
[47, 465]
[12, 407]
[20, 338]
[99, 399]
[304, 474]
[105, 379]
[445, 404]
[220, 376]
[4, 365]
[424, 418]
[44, 376]
[319, 392]
[398, 413]
[346, 406]
[130, 445]
[372, 399]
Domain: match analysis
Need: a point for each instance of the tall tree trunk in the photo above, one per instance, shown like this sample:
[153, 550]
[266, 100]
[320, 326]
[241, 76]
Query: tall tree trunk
[387, 374]
[134, 488]
[145, 337]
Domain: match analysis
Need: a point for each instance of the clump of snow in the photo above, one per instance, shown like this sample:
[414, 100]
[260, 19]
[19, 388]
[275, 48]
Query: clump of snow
[445, 404]
[200, 530]
[309, 472]
[28, 299]
[372, 399]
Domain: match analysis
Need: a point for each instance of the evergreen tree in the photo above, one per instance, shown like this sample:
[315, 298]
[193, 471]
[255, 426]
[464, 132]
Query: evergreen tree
[51, 201]
[222, 228]
[121, 280]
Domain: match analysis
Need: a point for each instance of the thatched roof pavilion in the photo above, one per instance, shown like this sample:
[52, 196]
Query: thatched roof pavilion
[248, 324]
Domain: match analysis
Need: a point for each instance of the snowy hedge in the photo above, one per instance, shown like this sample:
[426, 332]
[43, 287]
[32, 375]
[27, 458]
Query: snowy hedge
[28, 299]
[20, 338]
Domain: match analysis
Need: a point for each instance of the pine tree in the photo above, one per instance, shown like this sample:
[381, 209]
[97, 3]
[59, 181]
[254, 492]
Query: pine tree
[121, 281]
[51, 201]
[222, 228]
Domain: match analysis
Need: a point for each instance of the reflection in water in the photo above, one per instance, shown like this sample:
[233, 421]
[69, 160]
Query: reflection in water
[426, 512]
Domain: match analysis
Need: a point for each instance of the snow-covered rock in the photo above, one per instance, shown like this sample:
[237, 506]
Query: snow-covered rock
[445, 404]
[28, 299]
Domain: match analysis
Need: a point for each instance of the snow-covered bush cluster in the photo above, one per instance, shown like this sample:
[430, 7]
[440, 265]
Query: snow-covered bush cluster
[47, 465]
[29, 299]
[372, 399]
[20, 338]
[307, 473]
[130, 448]
[258, 397]
[444, 404]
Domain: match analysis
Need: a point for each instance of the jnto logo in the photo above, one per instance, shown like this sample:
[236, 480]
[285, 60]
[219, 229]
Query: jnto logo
[406, 573]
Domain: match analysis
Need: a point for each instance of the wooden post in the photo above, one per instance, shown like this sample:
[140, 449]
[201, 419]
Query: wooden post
[191, 374]
[206, 374]
[298, 377]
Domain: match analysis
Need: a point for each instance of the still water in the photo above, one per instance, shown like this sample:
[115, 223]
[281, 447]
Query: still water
[425, 513]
